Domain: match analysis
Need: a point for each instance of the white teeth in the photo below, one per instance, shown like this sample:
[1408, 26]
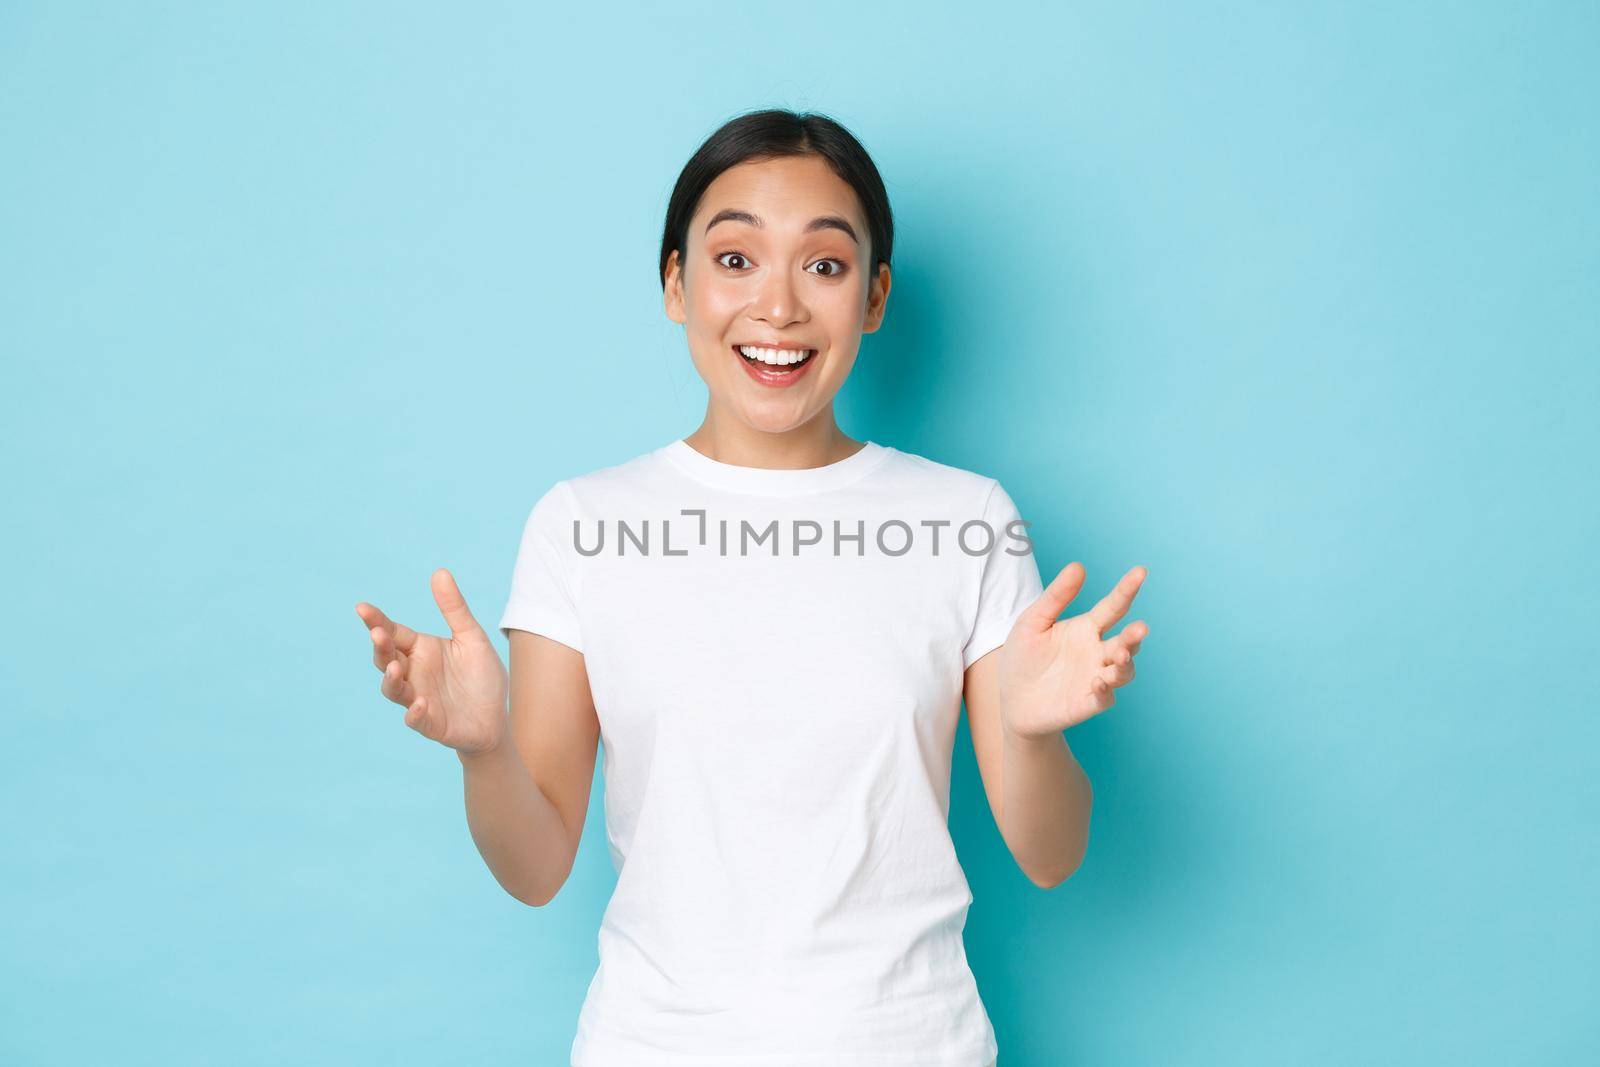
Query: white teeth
[778, 357]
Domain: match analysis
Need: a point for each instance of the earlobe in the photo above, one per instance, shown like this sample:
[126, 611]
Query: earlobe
[672, 297]
[877, 299]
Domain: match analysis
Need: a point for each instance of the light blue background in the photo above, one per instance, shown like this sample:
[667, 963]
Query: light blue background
[1297, 305]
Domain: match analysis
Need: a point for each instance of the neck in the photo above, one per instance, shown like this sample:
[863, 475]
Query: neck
[816, 443]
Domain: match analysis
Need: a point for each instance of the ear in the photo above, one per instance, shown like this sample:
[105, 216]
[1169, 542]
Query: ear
[672, 295]
[877, 297]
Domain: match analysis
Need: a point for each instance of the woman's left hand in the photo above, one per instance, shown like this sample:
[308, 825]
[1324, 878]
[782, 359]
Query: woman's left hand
[1055, 673]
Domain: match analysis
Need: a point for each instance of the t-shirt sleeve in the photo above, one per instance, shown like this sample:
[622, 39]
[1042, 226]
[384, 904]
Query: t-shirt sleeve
[542, 598]
[1009, 582]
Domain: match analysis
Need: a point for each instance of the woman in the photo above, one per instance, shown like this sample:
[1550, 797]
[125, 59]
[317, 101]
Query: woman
[769, 628]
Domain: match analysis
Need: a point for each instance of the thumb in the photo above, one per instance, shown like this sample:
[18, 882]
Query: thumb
[1044, 611]
[452, 605]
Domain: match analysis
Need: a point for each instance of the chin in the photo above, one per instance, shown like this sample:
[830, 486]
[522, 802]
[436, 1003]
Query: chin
[772, 421]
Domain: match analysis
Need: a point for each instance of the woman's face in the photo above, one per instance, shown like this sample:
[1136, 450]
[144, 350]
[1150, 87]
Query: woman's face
[777, 259]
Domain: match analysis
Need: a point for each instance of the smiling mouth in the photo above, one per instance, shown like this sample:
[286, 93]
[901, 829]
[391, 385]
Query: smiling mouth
[775, 360]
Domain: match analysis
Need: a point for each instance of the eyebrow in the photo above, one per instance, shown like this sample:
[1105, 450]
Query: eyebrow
[821, 222]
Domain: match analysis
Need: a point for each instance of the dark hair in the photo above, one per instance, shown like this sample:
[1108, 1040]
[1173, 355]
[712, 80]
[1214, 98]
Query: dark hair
[766, 135]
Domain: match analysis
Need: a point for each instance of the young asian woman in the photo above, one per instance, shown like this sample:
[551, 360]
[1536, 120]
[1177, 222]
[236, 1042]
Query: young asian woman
[776, 723]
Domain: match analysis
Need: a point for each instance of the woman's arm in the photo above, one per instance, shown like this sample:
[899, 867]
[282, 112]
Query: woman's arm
[528, 796]
[527, 776]
[1049, 675]
[1040, 796]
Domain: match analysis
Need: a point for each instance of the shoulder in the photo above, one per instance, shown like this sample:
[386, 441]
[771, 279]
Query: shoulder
[629, 472]
[969, 488]
[575, 490]
[558, 503]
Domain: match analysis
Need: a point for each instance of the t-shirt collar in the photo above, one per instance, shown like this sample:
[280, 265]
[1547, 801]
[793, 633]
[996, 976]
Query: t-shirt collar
[767, 480]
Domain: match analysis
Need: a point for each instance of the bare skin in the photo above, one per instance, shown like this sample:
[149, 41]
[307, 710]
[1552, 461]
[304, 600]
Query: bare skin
[766, 275]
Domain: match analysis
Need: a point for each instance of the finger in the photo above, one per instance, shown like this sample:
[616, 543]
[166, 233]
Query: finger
[1114, 605]
[383, 650]
[396, 687]
[1045, 610]
[1102, 694]
[419, 716]
[405, 664]
[404, 637]
[452, 605]
[1133, 635]
[1118, 673]
[1126, 642]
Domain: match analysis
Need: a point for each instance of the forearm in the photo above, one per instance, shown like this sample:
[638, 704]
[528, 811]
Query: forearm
[518, 831]
[1045, 809]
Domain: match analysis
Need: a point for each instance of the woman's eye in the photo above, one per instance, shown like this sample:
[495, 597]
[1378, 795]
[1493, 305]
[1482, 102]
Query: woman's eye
[740, 265]
[834, 267]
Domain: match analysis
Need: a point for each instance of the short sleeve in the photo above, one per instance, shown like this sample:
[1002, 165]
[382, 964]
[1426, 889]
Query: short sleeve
[1009, 582]
[542, 598]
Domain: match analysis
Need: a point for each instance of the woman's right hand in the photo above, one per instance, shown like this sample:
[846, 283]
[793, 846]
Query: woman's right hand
[453, 689]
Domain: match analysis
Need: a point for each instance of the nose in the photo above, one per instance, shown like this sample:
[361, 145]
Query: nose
[778, 303]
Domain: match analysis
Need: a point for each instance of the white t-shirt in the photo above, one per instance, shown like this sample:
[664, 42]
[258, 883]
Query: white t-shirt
[778, 677]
